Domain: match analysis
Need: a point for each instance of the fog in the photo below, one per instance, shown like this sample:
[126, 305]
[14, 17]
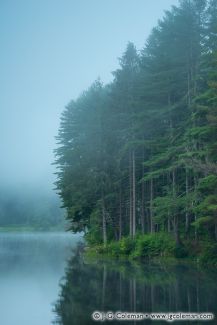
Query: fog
[50, 52]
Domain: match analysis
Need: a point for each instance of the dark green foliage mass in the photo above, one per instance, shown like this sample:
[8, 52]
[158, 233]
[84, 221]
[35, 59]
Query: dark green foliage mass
[139, 155]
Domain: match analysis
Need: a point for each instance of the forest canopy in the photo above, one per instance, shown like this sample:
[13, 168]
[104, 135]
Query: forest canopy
[139, 155]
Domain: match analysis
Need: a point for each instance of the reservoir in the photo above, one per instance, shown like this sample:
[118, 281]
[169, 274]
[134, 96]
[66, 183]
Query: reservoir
[45, 279]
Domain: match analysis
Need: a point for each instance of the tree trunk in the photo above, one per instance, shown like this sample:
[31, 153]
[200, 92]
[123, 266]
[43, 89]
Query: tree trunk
[175, 218]
[168, 224]
[188, 91]
[174, 183]
[176, 231]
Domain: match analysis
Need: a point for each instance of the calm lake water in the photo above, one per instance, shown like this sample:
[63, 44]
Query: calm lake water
[31, 266]
[110, 285]
[44, 279]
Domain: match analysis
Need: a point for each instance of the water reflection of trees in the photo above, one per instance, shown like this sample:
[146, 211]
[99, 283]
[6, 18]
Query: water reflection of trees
[105, 285]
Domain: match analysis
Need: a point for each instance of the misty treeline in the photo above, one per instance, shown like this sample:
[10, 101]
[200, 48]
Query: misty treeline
[139, 155]
[28, 208]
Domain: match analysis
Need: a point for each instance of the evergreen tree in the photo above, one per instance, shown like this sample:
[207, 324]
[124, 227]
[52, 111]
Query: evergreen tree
[139, 155]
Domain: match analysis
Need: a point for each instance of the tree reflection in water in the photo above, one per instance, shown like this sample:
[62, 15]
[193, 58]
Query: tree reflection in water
[111, 285]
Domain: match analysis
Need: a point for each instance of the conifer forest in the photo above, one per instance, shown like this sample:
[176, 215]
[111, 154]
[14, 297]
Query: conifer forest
[137, 158]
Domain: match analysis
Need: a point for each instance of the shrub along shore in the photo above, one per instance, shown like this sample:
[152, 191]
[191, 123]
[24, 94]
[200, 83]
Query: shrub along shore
[157, 246]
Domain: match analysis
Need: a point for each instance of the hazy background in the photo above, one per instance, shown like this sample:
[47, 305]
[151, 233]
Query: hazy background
[51, 50]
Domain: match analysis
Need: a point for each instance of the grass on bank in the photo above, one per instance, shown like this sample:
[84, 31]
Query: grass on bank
[158, 245]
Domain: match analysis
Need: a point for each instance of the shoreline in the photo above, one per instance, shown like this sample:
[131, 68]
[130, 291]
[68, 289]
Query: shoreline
[156, 248]
[19, 229]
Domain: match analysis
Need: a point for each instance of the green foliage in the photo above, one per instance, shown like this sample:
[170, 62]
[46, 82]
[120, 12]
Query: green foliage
[200, 222]
[143, 246]
[209, 255]
[124, 247]
[208, 184]
[93, 237]
[152, 245]
[114, 249]
[139, 155]
[127, 245]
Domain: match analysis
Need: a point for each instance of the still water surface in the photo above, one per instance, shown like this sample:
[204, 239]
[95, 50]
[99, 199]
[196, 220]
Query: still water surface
[45, 279]
[110, 285]
[31, 266]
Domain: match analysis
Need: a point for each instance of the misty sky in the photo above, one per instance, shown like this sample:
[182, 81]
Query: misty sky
[52, 50]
